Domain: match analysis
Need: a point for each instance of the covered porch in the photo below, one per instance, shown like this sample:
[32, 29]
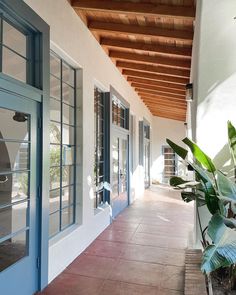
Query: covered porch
[141, 252]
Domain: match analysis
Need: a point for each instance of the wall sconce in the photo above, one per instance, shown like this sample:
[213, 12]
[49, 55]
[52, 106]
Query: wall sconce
[189, 92]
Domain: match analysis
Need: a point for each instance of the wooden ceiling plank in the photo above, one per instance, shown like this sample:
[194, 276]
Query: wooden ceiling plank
[157, 90]
[162, 101]
[169, 95]
[124, 44]
[139, 8]
[164, 105]
[163, 94]
[161, 89]
[156, 83]
[156, 96]
[174, 80]
[136, 30]
[158, 60]
[153, 69]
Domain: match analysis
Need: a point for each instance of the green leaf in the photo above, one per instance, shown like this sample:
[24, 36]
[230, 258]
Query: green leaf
[180, 183]
[226, 187]
[232, 140]
[177, 149]
[212, 201]
[200, 156]
[222, 252]
[190, 196]
[175, 181]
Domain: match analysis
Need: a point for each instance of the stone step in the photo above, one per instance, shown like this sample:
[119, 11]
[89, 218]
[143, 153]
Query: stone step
[195, 283]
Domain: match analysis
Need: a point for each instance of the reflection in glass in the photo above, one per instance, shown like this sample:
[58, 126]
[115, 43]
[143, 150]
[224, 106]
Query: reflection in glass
[13, 65]
[54, 200]
[68, 94]
[13, 250]
[68, 155]
[13, 188]
[123, 166]
[67, 217]
[68, 114]
[55, 87]
[55, 154]
[55, 132]
[11, 128]
[55, 110]
[54, 223]
[67, 196]
[14, 39]
[68, 74]
[67, 175]
[68, 134]
[115, 167]
[55, 177]
[13, 219]
[16, 157]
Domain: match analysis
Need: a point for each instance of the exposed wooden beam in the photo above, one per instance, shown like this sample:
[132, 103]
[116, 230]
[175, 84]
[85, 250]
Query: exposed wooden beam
[168, 95]
[153, 69]
[128, 7]
[156, 83]
[158, 60]
[169, 50]
[175, 80]
[159, 97]
[164, 105]
[136, 30]
[164, 94]
[166, 102]
[159, 89]
[168, 110]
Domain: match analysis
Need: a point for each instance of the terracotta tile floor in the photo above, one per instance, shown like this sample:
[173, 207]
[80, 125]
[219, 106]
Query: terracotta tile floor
[140, 253]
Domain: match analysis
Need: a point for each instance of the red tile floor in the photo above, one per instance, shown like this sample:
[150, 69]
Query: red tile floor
[141, 252]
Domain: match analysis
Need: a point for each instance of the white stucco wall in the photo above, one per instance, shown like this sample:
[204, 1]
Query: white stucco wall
[161, 130]
[214, 80]
[71, 38]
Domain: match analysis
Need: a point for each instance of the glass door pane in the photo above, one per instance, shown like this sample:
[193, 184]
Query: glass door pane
[115, 167]
[14, 186]
[123, 165]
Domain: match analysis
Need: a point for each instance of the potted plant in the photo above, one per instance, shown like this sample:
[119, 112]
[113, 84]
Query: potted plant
[214, 189]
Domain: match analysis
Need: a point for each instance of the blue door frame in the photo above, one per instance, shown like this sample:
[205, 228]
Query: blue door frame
[19, 13]
[26, 266]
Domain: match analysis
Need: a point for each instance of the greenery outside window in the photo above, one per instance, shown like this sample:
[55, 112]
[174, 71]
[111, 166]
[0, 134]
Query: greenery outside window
[62, 145]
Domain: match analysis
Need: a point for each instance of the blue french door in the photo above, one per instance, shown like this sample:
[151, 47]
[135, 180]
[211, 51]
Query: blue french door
[18, 195]
[120, 160]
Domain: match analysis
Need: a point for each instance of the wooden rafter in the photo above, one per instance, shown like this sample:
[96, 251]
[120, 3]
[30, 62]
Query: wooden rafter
[160, 83]
[153, 69]
[157, 103]
[163, 94]
[128, 7]
[121, 29]
[157, 88]
[168, 50]
[175, 80]
[164, 100]
[150, 43]
[158, 60]
[157, 97]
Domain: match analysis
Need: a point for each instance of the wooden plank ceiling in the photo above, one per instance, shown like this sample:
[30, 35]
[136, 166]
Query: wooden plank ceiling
[150, 41]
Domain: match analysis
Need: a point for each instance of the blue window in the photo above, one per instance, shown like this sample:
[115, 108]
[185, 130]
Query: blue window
[62, 145]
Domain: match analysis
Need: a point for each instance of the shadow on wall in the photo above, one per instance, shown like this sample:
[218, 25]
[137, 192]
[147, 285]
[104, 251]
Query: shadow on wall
[212, 115]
